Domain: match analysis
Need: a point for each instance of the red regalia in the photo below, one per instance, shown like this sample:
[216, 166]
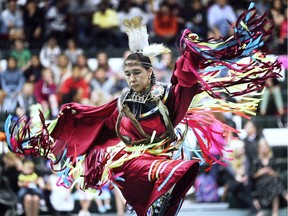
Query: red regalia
[131, 141]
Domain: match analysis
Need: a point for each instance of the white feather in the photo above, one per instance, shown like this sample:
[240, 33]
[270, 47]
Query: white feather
[137, 34]
[138, 38]
[155, 49]
[144, 37]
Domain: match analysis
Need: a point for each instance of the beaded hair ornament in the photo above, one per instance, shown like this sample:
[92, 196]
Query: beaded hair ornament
[138, 41]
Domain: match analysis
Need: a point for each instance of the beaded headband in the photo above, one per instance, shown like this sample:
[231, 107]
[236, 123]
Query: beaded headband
[137, 63]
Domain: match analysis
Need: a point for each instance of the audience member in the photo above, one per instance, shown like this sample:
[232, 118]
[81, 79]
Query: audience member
[80, 16]
[21, 54]
[195, 19]
[273, 89]
[251, 139]
[239, 181]
[268, 185]
[84, 67]
[218, 16]
[164, 67]
[12, 21]
[165, 25]
[46, 93]
[283, 34]
[119, 86]
[57, 21]
[25, 99]
[75, 88]
[62, 69]
[105, 27]
[12, 81]
[49, 52]
[276, 13]
[120, 80]
[34, 25]
[103, 61]
[73, 51]
[30, 195]
[33, 72]
[102, 82]
[13, 166]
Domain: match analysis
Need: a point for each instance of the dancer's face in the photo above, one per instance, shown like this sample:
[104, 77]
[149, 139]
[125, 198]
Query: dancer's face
[137, 76]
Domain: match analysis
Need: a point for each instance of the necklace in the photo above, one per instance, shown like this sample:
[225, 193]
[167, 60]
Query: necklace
[152, 93]
[139, 98]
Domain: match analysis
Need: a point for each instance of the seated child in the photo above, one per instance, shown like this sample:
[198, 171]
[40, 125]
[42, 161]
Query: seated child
[30, 183]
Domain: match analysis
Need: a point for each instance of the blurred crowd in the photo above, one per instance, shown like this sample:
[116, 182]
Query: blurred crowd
[253, 178]
[99, 23]
[47, 65]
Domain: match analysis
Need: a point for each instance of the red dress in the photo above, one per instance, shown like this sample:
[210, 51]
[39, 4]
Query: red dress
[92, 129]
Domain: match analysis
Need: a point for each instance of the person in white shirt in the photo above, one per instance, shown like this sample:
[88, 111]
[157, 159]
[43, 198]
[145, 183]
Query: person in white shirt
[49, 53]
[12, 21]
[218, 16]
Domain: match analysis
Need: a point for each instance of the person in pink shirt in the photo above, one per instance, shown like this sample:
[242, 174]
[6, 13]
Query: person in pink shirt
[45, 93]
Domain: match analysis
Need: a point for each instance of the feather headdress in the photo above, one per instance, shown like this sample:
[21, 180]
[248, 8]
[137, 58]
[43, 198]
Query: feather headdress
[138, 38]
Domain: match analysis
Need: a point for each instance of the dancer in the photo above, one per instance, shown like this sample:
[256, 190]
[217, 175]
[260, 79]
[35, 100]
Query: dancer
[134, 141]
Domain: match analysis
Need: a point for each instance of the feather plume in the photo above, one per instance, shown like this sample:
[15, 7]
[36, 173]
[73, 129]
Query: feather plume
[138, 38]
[137, 34]
[155, 49]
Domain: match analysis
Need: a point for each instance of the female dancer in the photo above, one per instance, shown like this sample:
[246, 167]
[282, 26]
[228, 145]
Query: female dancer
[133, 140]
